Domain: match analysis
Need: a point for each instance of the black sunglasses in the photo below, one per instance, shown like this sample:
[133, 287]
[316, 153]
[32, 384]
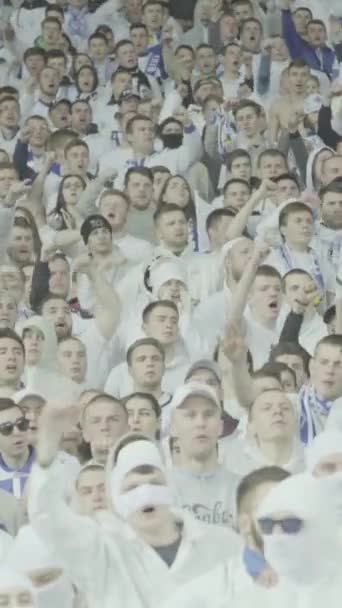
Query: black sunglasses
[7, 428]
[289, 525]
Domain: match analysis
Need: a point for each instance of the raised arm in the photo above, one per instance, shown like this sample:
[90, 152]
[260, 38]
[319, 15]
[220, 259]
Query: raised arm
[87, 201]
[76, 540]
[235, 349]
[241, 292]
[107, 302]
[239, 222]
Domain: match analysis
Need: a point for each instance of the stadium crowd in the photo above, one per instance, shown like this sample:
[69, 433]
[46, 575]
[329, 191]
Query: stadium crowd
[170, 303]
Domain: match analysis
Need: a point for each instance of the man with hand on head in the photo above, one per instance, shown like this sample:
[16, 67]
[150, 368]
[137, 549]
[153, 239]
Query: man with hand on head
[172, 548]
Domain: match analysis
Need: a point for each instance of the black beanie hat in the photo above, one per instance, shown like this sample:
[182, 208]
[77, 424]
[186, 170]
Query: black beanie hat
[92, 223]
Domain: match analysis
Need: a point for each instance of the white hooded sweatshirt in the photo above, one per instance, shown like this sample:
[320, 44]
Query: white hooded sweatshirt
[30, 555]
[43, 378]
[109, 563]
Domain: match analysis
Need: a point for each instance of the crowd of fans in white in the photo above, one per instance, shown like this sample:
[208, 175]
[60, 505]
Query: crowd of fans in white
[170, 303]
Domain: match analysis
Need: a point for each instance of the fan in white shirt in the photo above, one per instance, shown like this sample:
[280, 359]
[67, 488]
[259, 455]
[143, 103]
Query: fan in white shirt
[232, 78]
[114, 206]
[296, 226]
[302, 297]
[329, 230]
[140, 134]
[272, 438]
[9, 123]
[161, 322]
[260, 288]
[201, 485]
[104, 420]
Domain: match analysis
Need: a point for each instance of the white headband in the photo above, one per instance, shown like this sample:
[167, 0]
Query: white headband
[135, 454]
[164, 272]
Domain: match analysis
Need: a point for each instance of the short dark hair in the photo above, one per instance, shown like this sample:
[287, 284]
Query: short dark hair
[286, 176]
[48, 298]
[55, 54]
[302, 8]
[250, 20]
[187, 47]
[275, 369]
[238, 153]
[7, 164]
[160, 169]
[34, 51]
[298, 63]
[332, 340]
[290, 209]
[53, 20]
[133, 120]
[75, 143]
[291, 348]
[235, 180]
[335, 186]
[144, 171]
[114, 192]
[215, 216]
[247, 103]
[267, 271]
[270, 152]
[60, 137]
[98, 35]
[10, 334]
[137, 26]
[104, 397]
[144, 342]
[10, 98]
[121, 43]
[166, 208]
[255, 479]
[204, 45]
[8, 404]
[292, 272]
[317, 22]
[147, 397]
[153, 2]
[153, 305]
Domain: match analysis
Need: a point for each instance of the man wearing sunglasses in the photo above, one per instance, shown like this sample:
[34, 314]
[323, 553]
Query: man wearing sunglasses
[16, 456]
[247, 572]
[301, 542]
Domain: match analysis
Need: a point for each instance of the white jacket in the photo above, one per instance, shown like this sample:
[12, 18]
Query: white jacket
[109, 563]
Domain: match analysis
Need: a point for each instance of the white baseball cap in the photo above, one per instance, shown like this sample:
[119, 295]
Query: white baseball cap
[193, 389]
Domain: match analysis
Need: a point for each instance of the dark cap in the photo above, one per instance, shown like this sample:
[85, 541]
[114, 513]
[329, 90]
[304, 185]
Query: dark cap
[93, 222]
[128, 94]
[329, 314]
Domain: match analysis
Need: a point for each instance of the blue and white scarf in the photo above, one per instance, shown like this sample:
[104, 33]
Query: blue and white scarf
[78, 23]
[315, 269]
[313, 413]
[254, 562]
[152, 67]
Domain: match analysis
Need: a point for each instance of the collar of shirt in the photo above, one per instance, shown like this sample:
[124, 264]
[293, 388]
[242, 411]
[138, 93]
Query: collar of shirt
[26, 467]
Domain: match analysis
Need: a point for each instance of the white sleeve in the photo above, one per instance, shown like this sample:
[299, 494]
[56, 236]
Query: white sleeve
[102, 355]
[172, 103]
[75, 539]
